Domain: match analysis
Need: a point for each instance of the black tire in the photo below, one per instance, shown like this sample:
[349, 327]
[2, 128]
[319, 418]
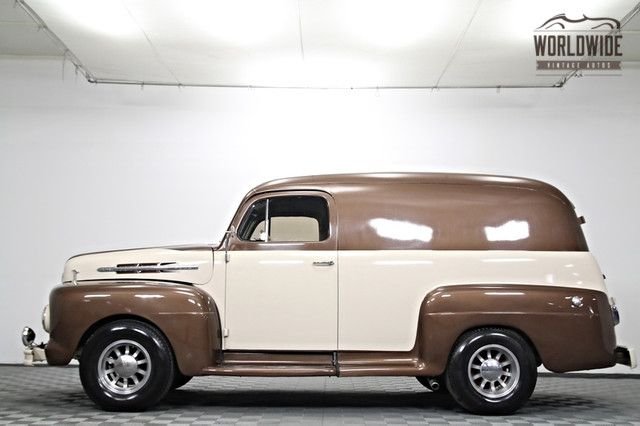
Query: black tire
[512, 361]
[441, 388]
[180, 380]
[153, 364]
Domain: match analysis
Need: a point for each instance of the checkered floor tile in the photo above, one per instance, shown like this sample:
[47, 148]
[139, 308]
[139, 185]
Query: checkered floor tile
[48, 395]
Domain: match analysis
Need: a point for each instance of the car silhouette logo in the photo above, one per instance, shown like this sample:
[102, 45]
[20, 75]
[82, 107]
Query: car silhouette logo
[561, 22]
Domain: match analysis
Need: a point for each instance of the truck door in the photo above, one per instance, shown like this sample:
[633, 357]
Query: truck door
[281, 281]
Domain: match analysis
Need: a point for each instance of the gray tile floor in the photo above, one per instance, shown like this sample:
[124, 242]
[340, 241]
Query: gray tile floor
[46, 395]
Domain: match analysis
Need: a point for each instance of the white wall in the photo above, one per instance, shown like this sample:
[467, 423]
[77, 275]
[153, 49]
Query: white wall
[87, 167]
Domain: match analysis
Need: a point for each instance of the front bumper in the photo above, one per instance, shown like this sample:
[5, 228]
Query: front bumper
[626, 356]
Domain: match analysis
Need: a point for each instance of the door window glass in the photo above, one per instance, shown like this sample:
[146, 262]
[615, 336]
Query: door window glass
[286, 219]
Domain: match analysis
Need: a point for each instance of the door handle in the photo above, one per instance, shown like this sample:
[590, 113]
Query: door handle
[325, 263]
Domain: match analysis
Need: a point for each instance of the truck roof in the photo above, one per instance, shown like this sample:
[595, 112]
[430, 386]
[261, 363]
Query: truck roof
[329, 182]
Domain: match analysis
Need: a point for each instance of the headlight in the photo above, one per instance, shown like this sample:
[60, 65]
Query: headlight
[46, 319]
[616, 315]
[28, 337]
[614, 311]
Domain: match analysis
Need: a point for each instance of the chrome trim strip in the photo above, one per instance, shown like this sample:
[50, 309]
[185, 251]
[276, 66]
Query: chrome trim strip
[148, 268]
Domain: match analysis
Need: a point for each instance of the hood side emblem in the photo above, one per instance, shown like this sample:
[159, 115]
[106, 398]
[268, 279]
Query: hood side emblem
[140, 268]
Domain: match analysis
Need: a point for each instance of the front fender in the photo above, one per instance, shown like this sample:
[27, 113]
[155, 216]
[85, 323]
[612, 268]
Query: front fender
[186, 315]
[565, 337]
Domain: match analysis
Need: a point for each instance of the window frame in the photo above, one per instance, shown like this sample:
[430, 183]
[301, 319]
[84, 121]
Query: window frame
[329, 243]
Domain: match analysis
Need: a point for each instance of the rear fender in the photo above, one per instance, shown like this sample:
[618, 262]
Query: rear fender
[565, 337]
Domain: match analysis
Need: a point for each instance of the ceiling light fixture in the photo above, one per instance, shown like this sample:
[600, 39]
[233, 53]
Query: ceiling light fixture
[101, 16]
[393, 24]
[240, 23]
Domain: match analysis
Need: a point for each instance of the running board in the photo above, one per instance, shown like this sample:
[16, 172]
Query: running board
[247, 363]
[381, 371]
[270, 370]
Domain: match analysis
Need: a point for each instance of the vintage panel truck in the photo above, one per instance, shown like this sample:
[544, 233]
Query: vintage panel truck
[467, 282]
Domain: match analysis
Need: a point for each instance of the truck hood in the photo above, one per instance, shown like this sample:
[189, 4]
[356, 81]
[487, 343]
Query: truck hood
[192, 264]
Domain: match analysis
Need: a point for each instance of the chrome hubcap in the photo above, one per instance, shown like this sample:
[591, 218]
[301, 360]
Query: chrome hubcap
[124, 367]
[493, 371]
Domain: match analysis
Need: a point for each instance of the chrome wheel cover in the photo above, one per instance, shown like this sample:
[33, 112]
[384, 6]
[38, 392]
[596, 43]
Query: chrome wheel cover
[493, 371]
[124, 367]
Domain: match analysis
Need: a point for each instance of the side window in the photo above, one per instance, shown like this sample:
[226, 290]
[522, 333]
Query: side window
[286, 219]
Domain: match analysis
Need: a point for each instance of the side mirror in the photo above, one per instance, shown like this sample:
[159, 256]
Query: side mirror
[28, 336]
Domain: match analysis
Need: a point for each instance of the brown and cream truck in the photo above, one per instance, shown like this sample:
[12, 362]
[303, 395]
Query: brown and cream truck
[467, 282]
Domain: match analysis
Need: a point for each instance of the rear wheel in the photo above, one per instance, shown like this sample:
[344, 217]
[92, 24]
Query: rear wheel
[126, 365]
[491, 371]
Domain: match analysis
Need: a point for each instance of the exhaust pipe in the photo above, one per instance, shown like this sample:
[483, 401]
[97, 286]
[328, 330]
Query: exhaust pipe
[434, 385]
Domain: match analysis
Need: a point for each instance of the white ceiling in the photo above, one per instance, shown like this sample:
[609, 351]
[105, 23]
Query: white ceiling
[301, 43]
[20, 35]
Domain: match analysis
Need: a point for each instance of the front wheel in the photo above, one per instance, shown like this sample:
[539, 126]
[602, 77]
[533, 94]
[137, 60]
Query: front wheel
[126, 366]
[492, 371]
[180, 380]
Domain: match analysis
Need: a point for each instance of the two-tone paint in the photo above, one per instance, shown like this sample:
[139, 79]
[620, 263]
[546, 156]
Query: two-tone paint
[412, 261]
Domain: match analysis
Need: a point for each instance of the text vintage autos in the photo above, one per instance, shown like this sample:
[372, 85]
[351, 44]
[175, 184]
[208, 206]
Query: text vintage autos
[466, 282]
